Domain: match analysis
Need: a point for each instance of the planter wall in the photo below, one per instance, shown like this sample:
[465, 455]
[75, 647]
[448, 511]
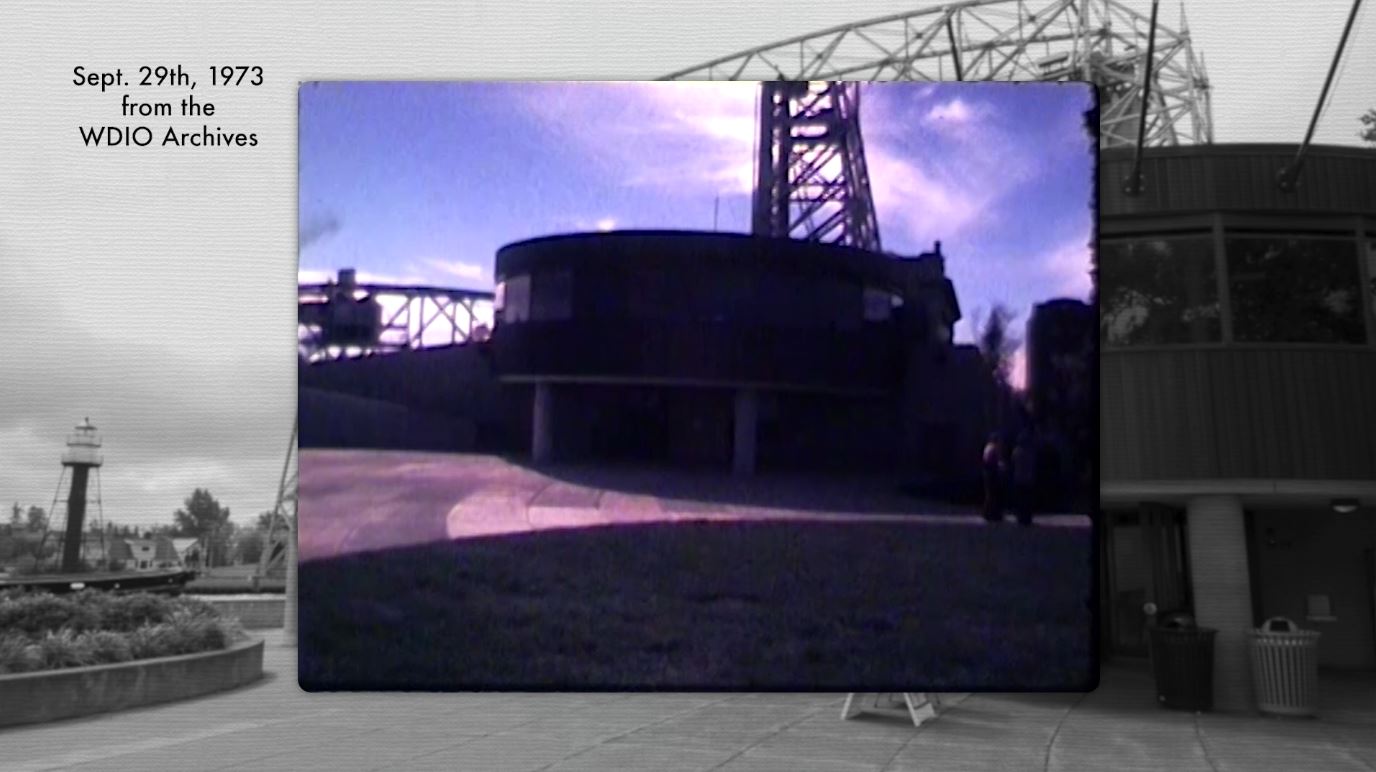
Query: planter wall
[253, 614]
[31, 698]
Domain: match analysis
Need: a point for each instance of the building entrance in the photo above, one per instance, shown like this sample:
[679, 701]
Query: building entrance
[1143, 561]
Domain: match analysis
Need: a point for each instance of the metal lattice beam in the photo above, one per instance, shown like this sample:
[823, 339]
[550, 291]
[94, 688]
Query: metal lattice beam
[282, 524]
[811, 179]
[1102, 41]
[411, 317]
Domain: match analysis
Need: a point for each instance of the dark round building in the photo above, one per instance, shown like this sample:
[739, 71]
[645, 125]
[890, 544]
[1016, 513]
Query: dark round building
[714, 348]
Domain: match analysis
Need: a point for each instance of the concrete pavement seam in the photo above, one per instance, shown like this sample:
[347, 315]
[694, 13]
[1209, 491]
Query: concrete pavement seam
[1051, 742]
[775, 733]
[613, 738]
[1342, 742]
[1203, 745]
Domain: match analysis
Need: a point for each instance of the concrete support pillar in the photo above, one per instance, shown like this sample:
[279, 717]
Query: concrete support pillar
[542, 423]
[1222, 593]
[746, 419]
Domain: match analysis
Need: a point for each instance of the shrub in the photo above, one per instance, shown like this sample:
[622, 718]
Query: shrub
[130, 612]
[43, 631]
[18, 655]
[37, 613]
[64, 649]
[107, 647]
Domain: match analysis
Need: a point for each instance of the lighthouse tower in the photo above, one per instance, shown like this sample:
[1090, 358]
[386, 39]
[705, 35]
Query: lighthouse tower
[83, 455]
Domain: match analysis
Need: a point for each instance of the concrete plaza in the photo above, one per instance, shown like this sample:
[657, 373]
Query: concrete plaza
[273, 725]
[355, 501]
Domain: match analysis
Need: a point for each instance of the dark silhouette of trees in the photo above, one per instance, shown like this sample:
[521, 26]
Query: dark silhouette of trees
[204, 518]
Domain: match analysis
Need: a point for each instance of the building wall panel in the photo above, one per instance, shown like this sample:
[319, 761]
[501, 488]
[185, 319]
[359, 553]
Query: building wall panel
[1254, 413]
[1239, 178]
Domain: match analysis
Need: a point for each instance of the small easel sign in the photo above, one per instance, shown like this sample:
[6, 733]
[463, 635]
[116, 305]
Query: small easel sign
[919, 706]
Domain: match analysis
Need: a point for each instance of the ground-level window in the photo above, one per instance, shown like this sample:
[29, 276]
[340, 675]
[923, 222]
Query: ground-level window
[1291, 289]
[1158, 291]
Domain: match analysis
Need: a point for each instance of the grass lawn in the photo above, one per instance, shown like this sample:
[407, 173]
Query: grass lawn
[798, 606]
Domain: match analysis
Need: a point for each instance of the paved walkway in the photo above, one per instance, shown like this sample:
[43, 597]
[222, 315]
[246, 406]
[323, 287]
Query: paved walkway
[273, 725]
[355, 501]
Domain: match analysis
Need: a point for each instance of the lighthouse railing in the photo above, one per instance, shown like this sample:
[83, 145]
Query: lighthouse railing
[83, 454]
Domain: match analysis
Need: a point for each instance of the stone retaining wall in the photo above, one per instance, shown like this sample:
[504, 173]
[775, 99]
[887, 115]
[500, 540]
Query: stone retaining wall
[52, 695]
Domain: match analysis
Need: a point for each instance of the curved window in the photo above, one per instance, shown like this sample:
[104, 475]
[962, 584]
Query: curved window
[1288, 289]
[1158, 291]
[516, 299]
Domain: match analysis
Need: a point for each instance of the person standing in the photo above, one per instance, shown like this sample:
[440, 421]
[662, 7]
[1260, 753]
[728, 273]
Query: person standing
[994, 469]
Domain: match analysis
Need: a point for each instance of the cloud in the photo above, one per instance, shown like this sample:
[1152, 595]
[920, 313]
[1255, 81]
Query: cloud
[911, 198]
[324, 276]
[456, 268]
[683, 139]
[1066, 266]
[953, 111]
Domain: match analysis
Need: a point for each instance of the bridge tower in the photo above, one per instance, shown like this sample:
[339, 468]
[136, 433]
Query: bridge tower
[811, 182]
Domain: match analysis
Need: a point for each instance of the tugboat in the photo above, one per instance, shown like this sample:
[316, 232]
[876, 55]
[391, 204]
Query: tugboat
[69, 570]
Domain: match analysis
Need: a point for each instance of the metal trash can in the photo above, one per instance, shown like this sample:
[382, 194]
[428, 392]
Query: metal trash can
[1182, 657]
[1285, 668]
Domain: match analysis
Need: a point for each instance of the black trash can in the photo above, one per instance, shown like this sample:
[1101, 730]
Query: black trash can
[1182, 657]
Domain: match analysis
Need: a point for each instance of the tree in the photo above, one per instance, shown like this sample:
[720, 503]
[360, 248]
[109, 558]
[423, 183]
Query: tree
[16, 516]
[1368, 120]
[997, 346]
[203, 517]
[265, 519]
[249, 545]
[38, 519]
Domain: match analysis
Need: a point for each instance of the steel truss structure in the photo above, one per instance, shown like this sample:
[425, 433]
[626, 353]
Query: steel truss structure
[811, 182]
[279, 549]
[282, 525]
[408, 318]
[1101, 41]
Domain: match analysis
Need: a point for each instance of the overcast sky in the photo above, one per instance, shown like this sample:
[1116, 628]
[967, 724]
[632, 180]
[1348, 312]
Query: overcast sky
[153, 290]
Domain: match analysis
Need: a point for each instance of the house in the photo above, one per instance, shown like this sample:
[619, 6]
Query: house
[146, 554]
[190, 552]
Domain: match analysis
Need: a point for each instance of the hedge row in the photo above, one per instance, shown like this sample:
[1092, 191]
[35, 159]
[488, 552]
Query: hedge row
[39, 631]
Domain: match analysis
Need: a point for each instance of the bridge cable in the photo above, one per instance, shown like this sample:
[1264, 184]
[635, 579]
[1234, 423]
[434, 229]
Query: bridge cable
[1133, 184]
[1289, 176]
